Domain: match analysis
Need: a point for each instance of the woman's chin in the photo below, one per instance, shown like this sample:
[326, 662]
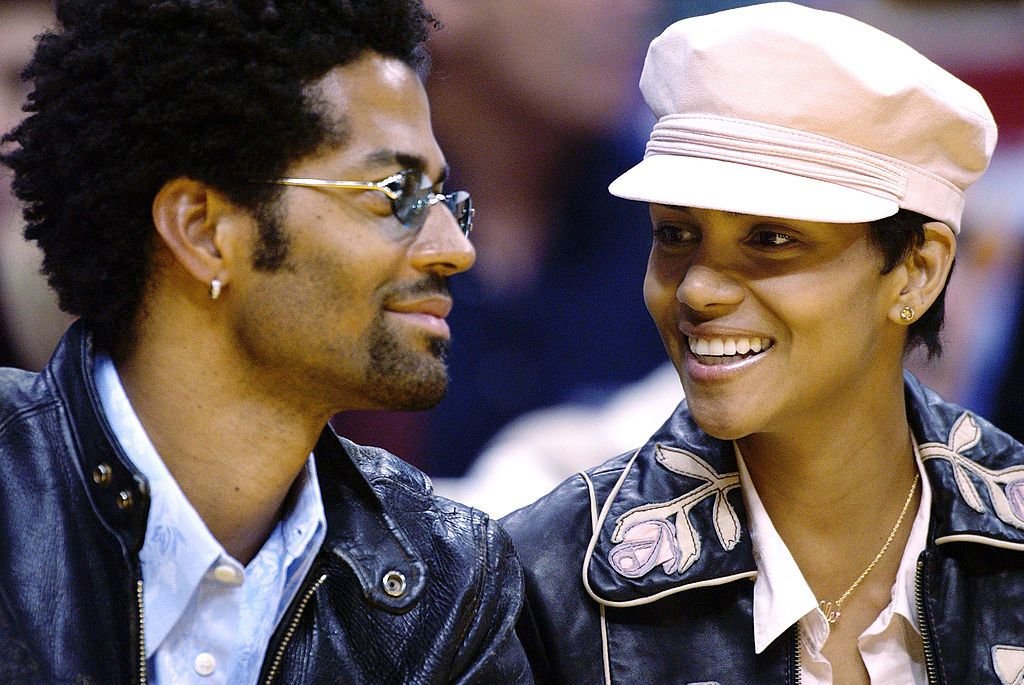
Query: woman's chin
[715, 424]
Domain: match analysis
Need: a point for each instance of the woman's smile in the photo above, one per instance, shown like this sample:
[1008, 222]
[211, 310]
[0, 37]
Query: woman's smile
[767, 318]
[721, 349]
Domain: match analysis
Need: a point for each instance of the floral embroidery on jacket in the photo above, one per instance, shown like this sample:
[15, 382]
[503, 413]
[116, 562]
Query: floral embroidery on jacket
[1005, 487]
[1009, 664]
[647, 536]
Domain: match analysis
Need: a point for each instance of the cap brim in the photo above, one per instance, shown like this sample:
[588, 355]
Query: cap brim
[731, 187]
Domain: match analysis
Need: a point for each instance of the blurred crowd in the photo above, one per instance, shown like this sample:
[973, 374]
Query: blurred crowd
[30, 322]
[535, 103]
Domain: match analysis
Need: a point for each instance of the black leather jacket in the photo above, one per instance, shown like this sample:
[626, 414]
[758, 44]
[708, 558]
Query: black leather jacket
[73, 518]
[640, 570]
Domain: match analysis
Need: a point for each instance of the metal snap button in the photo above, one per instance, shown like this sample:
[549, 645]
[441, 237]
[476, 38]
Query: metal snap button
[103, 475]
[394, 584]
[125, 500]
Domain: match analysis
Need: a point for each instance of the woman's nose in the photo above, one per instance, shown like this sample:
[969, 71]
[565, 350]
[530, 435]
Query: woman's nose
[704, 286]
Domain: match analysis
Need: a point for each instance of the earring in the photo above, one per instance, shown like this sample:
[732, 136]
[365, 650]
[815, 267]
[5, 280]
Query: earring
[907, 313]
[215, 287]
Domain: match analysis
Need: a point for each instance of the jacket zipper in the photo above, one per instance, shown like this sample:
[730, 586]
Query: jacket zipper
[931, 676]
[797, 678]
[293, 624]
[142, 633]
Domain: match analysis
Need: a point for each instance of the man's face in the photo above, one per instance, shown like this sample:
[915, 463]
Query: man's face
[355, 315]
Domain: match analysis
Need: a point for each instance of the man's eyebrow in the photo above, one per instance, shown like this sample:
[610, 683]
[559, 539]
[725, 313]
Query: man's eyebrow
[405, 160]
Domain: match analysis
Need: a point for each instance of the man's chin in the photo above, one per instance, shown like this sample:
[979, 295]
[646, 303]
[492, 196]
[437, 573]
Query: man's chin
[440, 347]
[413, 386]
[405, 379]
[422, 403]
[419, 395]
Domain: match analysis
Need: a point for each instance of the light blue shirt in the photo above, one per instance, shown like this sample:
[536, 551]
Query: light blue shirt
[208, 619]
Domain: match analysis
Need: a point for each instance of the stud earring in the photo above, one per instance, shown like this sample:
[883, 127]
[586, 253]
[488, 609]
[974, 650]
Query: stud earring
[215, 287]
[907, 313]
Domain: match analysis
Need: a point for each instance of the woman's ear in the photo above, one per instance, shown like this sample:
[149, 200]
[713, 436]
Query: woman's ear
[189, 218]
[927, 270]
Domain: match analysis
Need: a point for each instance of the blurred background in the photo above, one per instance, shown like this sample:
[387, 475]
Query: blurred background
[556, 365]
[30, 322]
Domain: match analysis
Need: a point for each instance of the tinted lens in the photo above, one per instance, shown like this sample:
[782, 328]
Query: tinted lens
[458, 203]
[413, 202]
[461, 207]
[411, 205]
[411, 209]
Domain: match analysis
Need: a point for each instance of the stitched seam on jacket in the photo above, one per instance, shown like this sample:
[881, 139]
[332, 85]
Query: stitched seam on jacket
[604, 623]
[21, 413]
[480, 580]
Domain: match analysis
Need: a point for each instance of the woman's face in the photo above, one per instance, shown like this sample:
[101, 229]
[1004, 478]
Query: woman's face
[773, 324]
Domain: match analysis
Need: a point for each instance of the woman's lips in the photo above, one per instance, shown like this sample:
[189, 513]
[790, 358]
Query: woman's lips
[722, 346]
[719, 355]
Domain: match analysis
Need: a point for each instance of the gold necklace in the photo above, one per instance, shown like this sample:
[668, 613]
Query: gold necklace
[832, 609]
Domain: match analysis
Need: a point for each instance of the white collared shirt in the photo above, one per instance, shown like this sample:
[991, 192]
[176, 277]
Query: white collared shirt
[891, 647]
[208, 618]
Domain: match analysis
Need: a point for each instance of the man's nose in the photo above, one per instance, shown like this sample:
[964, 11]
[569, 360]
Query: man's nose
[441, 246]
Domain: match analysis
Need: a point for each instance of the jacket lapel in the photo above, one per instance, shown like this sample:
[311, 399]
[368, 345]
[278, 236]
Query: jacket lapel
[674, 520]
[975, 470]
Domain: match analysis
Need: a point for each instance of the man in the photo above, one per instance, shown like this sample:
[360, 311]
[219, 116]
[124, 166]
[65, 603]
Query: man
[242, 201]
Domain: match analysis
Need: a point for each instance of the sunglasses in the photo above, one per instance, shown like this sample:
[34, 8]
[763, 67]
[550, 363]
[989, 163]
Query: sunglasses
[410, 193]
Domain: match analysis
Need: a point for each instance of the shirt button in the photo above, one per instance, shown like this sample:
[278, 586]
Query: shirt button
[227, 574]
[205, 664]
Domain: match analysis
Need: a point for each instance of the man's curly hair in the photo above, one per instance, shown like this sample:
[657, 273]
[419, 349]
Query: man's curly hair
[132, 93]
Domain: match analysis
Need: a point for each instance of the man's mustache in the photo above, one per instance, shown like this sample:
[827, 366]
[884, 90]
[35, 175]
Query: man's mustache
[430, 286]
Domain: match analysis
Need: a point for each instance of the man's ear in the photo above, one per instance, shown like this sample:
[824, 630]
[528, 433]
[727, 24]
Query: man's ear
[927, 269]
[192, 219]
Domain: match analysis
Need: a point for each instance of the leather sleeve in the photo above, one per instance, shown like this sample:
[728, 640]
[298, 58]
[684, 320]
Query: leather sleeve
[560, 626]
[492, 651]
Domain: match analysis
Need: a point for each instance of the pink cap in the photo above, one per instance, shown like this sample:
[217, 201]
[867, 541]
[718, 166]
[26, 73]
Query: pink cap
[785, 111]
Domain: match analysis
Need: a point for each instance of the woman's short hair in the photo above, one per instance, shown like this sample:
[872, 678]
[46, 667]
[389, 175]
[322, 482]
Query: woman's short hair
[897, 236]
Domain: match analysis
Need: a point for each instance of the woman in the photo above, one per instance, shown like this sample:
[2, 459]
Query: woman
[811, 513]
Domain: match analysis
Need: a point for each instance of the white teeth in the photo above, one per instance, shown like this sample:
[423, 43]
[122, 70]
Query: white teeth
[727, 347]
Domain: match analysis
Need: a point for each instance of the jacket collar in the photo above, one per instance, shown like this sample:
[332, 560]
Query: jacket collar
[118, 491]
[360, 530]
[976, 472]
[675, 519]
